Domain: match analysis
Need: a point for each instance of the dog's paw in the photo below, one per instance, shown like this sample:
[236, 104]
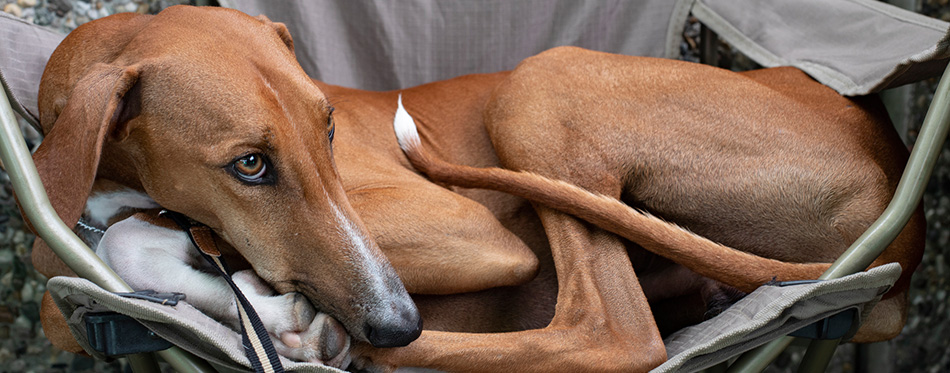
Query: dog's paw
[363, 361]
[298, 330]
[279, 313]
[324, 341]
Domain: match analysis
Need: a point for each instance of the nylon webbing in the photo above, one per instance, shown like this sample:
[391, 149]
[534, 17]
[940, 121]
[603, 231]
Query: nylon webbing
[257, 343]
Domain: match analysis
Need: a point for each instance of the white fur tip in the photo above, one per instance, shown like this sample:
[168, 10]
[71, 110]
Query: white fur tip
[405, 128]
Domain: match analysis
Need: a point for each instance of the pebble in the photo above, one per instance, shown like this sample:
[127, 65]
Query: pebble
[17, 365]
[22, 325]
[13, 9]
[26, 3]
[70, 23]
[81, 7]
[6, 260]
[61, 7]
[28, 291]
[28, 14]
[43, 18]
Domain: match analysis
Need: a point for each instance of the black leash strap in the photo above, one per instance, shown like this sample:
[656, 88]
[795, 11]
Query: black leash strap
[257, 344]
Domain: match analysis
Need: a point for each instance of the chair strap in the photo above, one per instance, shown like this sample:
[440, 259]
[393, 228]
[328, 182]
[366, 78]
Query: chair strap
[257, 343]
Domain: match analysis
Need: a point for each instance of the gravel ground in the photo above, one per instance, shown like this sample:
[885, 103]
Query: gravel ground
[922, 347]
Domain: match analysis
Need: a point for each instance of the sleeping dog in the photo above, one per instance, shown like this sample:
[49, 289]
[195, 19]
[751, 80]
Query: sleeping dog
[747, 178]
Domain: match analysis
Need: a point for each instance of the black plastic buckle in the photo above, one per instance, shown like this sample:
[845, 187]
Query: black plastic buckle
[115, 334]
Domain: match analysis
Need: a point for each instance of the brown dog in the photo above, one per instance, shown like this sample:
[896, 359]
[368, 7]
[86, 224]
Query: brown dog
[769, 163]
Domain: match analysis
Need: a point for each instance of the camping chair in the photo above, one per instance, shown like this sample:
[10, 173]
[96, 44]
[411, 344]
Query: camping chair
[766, 315]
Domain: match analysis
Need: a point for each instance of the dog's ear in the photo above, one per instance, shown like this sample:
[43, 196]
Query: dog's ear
[100, 105]
[281, 30]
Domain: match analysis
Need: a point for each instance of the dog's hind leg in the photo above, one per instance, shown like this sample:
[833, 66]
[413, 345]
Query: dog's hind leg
[602, 321]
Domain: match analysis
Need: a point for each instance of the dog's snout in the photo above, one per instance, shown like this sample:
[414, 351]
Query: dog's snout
[397, 330]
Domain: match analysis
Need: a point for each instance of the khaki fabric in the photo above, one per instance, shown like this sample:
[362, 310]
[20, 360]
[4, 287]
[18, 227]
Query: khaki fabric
[765, 314]
[24, 50]
[182, 325]
[384, 44]
[771, 312]
[854, 46]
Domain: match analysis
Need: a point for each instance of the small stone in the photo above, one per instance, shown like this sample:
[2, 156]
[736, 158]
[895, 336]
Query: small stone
[34, 350]
[13, 9]
[21, 250]
[22, 325]
[27, 292]
[82, 363]
[7, 279]
[61, 7]
[131, 7]
[18, 365]
[93, 14]
[38, 294]
[81, 8]
[26, 3]
[142, 9]
[6, 260]
[70, 23]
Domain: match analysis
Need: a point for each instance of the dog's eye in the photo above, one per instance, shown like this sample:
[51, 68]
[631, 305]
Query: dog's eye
[331, 125]
[251, 168]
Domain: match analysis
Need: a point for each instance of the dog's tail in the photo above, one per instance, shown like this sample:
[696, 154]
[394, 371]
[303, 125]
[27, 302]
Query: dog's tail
[739, 269]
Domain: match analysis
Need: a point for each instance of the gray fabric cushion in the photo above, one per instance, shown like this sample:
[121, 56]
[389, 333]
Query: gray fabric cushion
[771, 312]
[182, 325]
[765, 314]
[24, 50]
[854, 46]
[383, 44]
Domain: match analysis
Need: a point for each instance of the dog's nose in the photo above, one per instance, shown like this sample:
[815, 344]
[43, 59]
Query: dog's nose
[396, 330]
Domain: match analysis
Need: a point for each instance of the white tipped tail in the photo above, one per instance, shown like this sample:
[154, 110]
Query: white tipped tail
[405, 128]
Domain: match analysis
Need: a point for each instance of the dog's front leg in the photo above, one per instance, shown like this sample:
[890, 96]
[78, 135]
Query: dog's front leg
[148, 256]
[602, 321]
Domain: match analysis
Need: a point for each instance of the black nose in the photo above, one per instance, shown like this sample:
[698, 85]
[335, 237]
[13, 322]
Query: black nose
[396, 331]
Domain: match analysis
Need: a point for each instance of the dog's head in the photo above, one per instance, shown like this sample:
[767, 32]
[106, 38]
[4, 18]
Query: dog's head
[208, 112]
